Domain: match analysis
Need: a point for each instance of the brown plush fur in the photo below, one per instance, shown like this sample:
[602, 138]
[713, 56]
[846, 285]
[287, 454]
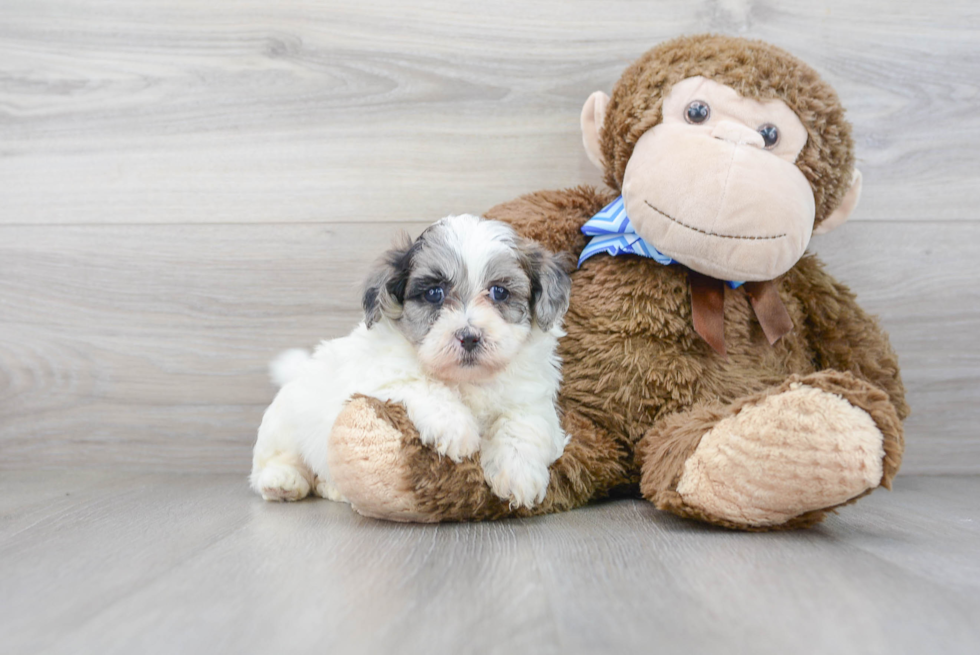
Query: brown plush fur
[756, 70]
[635, 369]
[633, 361]
[641, 387]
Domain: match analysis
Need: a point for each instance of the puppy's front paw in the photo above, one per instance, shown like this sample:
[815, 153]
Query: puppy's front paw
[451, 432]
[514, 477]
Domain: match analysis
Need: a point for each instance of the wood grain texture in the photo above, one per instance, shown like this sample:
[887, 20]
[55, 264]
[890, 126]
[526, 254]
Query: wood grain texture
[190, 187]
[121, 563]
[147, 346]
[252, 111]
[921, 281]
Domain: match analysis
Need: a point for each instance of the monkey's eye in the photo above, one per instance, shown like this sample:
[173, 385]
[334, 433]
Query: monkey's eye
[770, 135]
[697, 112]
[434, 295]
[499, 294]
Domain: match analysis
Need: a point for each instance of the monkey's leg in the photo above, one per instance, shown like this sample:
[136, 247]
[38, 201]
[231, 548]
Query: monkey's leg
[380, 466]
[780, 459]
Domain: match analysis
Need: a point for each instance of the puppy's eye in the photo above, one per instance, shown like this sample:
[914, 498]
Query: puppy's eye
[499, 294]
[697, 112]
[770, 135]
[434, 295]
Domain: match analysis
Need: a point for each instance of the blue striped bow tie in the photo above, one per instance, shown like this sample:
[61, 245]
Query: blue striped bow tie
[612, 233]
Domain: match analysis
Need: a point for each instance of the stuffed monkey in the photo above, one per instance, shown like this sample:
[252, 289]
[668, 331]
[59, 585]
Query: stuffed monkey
[711, 365]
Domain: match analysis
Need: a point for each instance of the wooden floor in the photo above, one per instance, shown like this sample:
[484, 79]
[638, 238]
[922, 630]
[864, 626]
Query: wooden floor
[166, 563]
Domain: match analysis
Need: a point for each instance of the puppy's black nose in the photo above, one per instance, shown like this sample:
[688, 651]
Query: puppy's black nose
[468, 339]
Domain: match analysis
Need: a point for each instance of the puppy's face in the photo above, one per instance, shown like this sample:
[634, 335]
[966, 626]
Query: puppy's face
[467, 293]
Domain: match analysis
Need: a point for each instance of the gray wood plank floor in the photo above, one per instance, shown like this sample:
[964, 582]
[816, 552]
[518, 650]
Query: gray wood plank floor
[258, 111]
[113, 562]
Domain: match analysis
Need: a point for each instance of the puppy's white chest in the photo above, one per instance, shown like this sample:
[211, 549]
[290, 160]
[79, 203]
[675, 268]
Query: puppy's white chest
[485, 402]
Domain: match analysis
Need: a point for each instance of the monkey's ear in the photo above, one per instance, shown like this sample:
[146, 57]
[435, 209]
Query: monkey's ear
[593, 116]
[840, 215]
[384, 293]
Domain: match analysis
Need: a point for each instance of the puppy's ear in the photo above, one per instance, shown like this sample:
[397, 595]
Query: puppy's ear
[550, 283]
[384, 293]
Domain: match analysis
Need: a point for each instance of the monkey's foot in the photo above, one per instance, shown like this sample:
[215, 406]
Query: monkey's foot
[781, 459]
[368, 464]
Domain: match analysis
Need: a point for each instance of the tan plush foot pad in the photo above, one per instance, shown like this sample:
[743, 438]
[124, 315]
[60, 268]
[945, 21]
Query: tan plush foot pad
[791, 453]
[367, 465]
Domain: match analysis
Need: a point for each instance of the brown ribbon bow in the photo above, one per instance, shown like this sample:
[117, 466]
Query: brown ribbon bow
[708, 309]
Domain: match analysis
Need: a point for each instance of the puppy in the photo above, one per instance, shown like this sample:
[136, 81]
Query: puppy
[460, 326]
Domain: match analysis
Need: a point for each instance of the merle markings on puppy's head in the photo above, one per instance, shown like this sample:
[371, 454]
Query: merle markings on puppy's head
[384, 292]
[550, 283]
[467, 293]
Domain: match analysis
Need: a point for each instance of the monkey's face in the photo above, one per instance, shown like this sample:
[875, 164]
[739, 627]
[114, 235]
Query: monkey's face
[715, 186]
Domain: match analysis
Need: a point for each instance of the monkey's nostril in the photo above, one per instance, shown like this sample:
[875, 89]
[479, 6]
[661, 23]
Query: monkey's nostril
[468, 340]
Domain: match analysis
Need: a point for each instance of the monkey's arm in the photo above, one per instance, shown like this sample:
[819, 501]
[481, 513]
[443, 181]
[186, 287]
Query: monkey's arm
[554, 218]
[843, 336]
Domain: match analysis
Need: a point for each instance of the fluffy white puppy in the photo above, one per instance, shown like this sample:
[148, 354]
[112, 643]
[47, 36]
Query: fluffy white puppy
[461, 326]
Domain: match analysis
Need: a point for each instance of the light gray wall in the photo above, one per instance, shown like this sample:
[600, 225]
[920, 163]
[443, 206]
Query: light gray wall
[187, 187]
